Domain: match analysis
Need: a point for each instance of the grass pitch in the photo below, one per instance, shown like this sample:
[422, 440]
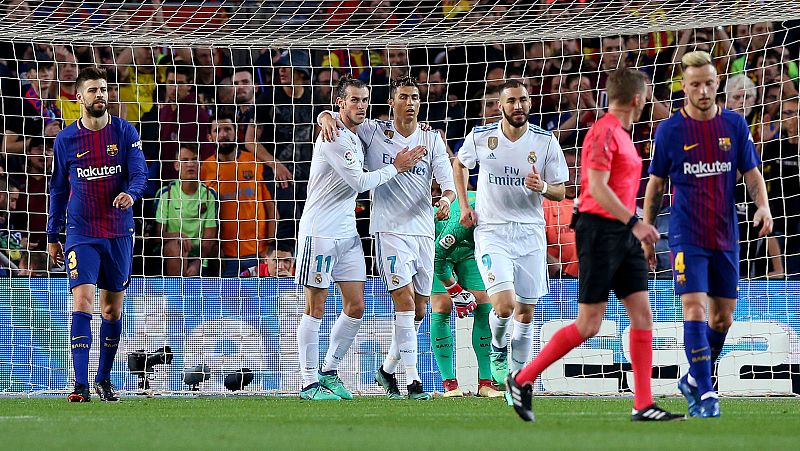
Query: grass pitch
[378, 424]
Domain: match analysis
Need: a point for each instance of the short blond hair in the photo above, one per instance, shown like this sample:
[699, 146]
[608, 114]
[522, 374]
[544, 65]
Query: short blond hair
[695, 59]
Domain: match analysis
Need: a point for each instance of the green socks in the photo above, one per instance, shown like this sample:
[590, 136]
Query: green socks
[442, 344]
[482, 340]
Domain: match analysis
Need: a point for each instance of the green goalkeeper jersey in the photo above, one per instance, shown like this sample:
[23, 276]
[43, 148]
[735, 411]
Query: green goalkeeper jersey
[454, 242]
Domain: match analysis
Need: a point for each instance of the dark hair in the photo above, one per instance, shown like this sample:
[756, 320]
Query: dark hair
[347, 81]
[404, 80]
[90, 73]
[624, 84]
[249, 70]
[191, 147]
[510, 84]
[283, 245]
[224, 115]
[180, 70]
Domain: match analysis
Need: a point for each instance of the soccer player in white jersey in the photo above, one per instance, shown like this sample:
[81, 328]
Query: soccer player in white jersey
[403, 226]
[328, 246]
[520, 165]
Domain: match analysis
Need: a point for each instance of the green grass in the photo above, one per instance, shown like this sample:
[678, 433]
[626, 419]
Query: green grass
[379, 424]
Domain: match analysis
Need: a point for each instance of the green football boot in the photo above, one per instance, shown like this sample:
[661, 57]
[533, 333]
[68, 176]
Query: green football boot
[499, 363]
[389, 383]
[316, 392]
[331, 381]
[416, 392]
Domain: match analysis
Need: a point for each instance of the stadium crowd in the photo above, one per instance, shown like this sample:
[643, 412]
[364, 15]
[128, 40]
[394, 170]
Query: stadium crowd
[228, 134]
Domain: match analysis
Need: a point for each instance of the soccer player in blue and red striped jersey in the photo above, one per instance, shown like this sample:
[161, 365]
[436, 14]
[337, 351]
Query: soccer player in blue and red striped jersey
[99, 171]
[702, 149]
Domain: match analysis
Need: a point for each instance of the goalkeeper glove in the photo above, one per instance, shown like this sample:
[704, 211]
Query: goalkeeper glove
[463, 300]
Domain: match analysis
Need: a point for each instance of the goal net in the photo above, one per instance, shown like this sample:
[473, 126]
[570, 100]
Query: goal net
[225, 96]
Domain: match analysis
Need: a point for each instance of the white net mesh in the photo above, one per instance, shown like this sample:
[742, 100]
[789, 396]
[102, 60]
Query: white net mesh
[195, 76]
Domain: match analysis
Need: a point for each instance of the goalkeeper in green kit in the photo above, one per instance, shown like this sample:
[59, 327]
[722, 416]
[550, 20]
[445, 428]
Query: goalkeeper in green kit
[458, 282]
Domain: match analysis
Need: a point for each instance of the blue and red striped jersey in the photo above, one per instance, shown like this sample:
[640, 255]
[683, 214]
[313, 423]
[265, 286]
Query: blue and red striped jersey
[701, 159]
[90, 169]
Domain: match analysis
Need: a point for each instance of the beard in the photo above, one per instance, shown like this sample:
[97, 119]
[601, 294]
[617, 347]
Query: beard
[515, 123]
[701, 107]
[226, 147]
[97, 110]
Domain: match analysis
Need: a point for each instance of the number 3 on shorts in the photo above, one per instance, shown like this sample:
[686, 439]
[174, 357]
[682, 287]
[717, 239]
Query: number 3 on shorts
[487, 261]
[72, 260]
[680, 266]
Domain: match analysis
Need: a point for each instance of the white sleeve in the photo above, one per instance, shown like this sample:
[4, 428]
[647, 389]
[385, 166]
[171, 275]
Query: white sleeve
[468, 154]
[345, 163]
[555, 169]
[440, 163]
[333, 114]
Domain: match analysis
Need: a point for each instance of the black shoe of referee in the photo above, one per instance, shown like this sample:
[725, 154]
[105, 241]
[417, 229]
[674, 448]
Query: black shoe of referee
[655, 413]
[521, 396]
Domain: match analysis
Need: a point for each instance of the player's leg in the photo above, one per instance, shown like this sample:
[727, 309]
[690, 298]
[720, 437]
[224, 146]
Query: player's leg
[349, 273]
[442, 338]
[530, 284]
[113, 279]
[421, 281]
[497, 271]
[83, 265]
[313, 272]
[690, 269]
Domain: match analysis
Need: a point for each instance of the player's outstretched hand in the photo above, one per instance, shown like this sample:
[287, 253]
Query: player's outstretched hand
[763, 218]
[56, 252]
[533, 181]
[464, 302]
[650, 255]
[408, 158]
[468, 217]
[123, 201]
[329, 129]
[645, 233]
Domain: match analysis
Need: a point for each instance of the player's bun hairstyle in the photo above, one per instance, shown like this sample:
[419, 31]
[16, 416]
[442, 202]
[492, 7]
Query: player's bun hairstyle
[695, 59]
[404, 80]
[90, 73]
[346, 81]
[625, 84]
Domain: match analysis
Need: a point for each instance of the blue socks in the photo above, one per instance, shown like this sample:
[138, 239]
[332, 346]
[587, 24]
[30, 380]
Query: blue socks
[716, 340]
[698, 352]
[80, 342]
[110, 332]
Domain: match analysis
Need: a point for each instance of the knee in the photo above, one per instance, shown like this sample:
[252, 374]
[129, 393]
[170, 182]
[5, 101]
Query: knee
[354, 310]
[186, 247]
[404, 301]
[441, 303]
[172, 248]
[112, 313]
[588, 329]
[524, 313]
[720, 323]
[503, 309]
[694, 311]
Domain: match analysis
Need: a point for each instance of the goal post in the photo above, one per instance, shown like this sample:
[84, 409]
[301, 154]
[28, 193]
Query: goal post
[187, 74]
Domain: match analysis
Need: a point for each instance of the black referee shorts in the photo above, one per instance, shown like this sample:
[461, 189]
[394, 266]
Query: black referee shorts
[609, 258]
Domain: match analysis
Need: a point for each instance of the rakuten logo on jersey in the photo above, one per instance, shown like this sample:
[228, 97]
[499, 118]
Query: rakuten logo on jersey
[703, 169]
[93, 173]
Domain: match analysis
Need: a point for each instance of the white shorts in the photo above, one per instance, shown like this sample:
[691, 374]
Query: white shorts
[513, 256]
[322, 260]
[403, 259]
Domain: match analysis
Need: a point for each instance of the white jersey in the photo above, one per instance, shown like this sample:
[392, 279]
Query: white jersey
[501, 193]
[337, 176]
[403, 205]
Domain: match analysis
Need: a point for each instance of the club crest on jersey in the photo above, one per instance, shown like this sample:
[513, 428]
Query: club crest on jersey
[248, 175]
[389, 133]
[532, 157]
[395, 280]
[490, 277]
[725, 144]
[318, 278]
[492, 142]
[73, 274]
[681, 279]
[112, 150]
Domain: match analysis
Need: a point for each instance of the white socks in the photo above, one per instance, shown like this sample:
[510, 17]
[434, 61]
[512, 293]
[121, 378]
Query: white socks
[521, 339]
[393, 357]
[342, 335]
[405, 335]
[308, 348]
[499, 326]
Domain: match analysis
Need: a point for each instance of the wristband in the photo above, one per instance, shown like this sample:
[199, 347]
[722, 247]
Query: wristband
[632, 222]
[454, 289]
[544, 187]
[446, 199]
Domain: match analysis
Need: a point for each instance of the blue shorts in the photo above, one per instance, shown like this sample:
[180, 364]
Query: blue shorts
[700, 270]
[105, 262]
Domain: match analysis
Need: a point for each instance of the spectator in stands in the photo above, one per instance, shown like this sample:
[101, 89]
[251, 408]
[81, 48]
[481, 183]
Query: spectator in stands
[12, 240]
[204, 76]
[67, 101]
[562, 253]
[440, 110]
[353, 61]
[33, 264]
[33, 200]
[115, 107]
[245, 99]
[750, 42]
[136, 73]
[324, 81]
[225, 95]
[284, 122]
[394, 64]
[246, 211]
[782, 176]
[489, 107]
[180, 120]
[35, 112]
[578, 111]
[279, 262]
[186, 218]
[741, 95]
